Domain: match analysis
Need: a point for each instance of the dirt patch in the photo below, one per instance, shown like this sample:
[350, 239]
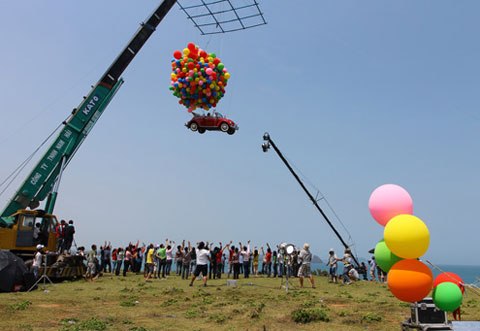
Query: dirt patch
[49, 305]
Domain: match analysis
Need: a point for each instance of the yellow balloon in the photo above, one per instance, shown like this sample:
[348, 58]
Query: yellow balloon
[407, 236]
[186, 51]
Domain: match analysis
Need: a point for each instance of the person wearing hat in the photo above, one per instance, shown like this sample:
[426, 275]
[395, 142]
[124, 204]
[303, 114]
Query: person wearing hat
[305, 257]
[332, 264]
[37, 260]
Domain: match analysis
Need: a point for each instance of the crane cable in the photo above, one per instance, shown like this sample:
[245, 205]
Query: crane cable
[322, 197]
[472, 287]
[22, 165]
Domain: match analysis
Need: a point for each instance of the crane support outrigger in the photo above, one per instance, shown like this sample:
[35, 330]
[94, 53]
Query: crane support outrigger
[16, 222]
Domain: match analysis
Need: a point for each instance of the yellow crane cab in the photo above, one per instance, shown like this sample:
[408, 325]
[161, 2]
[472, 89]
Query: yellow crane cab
[18, 235]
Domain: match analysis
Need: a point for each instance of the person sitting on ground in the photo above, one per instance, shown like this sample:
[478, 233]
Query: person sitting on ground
[304, 270]
[353, 274]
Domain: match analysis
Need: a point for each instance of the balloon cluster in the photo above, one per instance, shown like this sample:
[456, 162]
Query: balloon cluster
[405, 239]
[198, 79]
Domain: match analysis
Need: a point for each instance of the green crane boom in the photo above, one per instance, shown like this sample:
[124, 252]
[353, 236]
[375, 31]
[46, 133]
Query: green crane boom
[41, 181]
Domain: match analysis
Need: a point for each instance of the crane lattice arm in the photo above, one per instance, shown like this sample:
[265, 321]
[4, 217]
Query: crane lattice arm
[40, 182]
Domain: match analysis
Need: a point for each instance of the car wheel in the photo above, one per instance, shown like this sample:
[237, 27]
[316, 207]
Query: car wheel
[224, 127]
[231, 131]
[201, 130]
[193, 126]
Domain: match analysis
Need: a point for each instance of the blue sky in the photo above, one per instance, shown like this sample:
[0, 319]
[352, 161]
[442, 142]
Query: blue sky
[355, 94]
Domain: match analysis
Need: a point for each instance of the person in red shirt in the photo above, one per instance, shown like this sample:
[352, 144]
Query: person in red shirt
[231, 252]
[60, 235]
[218, 258]
[268, 261]
[114, 259]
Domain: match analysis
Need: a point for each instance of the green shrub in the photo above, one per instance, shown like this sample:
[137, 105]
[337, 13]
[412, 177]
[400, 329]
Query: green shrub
[191, 313]
[257, 310]
[138, 328]
[371, 317]
[218, 318]
[130, 302]
[93, 324]
[172, 290]
[309, 315]
[22, 305]
[170, 302]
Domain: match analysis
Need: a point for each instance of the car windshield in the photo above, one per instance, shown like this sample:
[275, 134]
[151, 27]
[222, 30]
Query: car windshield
[219, 115]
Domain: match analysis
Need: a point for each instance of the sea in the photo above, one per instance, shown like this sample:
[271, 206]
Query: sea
[470, 274]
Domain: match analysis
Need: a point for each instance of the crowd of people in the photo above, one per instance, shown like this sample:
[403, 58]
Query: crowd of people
[157, 261]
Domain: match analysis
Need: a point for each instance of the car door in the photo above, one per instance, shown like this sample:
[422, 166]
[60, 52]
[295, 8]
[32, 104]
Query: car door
[210, 121]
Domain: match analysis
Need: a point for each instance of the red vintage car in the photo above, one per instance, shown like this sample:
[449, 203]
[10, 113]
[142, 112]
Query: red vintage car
[211, 122]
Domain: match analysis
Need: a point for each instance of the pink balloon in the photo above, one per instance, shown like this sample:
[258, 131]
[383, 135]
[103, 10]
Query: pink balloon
[209, 71]
[388, 201]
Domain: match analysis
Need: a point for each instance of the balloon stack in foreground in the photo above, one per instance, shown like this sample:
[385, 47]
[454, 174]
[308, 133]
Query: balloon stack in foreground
[198, 78]
[405, 239]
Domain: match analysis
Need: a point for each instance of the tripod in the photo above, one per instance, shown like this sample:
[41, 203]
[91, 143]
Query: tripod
[286, 270]
[44, 276]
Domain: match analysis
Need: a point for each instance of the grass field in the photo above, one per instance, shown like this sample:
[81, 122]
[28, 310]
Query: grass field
[130, 303]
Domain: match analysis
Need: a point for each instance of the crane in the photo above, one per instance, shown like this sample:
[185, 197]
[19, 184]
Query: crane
[16, 221]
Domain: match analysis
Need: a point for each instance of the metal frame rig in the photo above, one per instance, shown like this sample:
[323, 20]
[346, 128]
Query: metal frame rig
[220, 16]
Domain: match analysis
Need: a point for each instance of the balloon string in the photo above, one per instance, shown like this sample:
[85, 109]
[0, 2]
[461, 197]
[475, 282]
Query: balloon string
[472, 287]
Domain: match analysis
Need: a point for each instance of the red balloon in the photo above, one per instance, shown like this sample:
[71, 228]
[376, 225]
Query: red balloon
[190, 65]
[177, 55]
[449, 277]
[191, 47]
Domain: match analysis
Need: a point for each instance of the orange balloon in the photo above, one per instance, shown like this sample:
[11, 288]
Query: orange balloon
[410, 280]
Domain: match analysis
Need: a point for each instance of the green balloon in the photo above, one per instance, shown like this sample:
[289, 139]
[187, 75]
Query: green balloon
[384, 257]
[220, 66]
[447, 296]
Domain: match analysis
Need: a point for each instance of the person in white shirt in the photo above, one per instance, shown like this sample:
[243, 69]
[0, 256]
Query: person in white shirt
[245, 253]
[305, 258]
[37, 260]
[203, 258]
[332, 263]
